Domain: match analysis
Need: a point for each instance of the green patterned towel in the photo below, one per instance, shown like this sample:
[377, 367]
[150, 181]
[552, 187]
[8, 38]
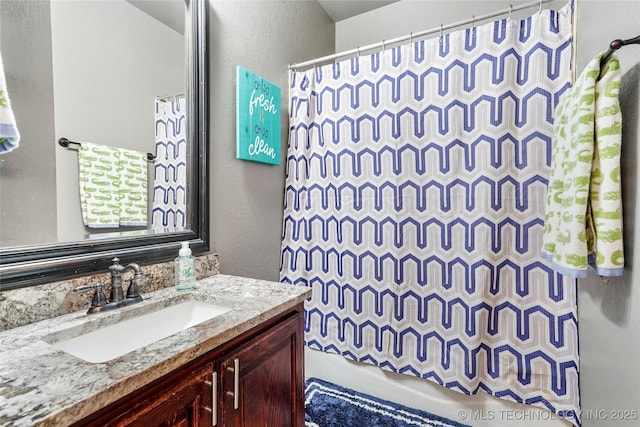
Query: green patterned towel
[113, 186]
[583, 220]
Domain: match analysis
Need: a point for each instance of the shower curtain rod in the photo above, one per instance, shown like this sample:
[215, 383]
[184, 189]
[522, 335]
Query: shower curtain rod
[170, 97]
[411, 36]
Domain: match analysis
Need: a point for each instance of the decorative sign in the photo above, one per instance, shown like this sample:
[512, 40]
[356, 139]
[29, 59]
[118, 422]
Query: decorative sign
[257, 119]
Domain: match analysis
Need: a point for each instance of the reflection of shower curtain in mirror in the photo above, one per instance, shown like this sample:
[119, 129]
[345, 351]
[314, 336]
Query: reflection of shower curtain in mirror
[169, 186]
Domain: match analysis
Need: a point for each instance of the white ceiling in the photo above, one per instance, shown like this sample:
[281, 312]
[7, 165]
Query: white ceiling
[170, 13]
[343, 9]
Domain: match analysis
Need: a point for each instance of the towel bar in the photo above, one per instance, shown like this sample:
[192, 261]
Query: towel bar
[615, 45]
[64, 142]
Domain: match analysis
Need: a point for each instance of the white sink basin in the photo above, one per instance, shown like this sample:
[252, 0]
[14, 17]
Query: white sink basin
[121, 338]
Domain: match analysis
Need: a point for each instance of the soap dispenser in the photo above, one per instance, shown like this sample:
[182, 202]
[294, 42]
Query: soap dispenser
[185, 275]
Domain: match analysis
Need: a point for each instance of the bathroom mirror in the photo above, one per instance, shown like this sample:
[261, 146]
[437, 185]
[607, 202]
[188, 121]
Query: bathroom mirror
[33, 192]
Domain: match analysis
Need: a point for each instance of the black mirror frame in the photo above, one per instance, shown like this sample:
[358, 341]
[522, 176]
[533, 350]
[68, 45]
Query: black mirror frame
[32, 265]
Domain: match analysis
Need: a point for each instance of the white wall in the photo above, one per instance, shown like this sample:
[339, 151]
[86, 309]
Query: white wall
[96, 45]
[609, 313]
[247, 197]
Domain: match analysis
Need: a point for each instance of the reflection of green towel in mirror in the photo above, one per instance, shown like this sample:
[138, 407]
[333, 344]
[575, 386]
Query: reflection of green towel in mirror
[99, 185]
[133, 188]
[113, 186]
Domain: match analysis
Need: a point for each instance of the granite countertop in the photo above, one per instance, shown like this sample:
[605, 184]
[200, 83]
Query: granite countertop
[42, 386]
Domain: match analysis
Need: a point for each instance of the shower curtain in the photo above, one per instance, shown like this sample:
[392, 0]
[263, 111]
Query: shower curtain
[170, 178]
[414, 204]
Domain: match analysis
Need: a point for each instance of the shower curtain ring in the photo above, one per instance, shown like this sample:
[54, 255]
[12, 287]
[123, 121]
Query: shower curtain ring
[358, 50]
[473, 21]
[540, 7]
[441, 27]
[510, 10]
[411, 37]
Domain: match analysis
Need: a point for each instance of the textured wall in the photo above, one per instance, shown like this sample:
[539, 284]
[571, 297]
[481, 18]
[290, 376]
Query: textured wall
[246, 197]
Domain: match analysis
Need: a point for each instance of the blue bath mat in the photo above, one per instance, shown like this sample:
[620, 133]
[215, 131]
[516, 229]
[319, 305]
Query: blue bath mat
[330, 405]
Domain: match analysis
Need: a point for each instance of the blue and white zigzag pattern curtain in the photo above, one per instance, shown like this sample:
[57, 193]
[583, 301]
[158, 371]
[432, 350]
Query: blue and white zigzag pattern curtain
[414, 202]
[170, 179]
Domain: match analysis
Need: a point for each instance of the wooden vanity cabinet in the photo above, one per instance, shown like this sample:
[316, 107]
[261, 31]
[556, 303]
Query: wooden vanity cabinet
[176, 402]
[256, 379]
[269, 382]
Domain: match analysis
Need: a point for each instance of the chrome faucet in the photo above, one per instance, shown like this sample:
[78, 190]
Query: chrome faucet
[117, 296]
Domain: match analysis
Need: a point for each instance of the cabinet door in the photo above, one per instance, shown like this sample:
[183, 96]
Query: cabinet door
[263, 380]
[180, 401]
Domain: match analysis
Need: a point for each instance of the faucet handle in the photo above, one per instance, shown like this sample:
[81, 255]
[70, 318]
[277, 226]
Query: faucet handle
[99, 299]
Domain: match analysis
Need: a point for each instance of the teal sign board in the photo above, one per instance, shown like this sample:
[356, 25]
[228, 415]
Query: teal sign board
[257, 119]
